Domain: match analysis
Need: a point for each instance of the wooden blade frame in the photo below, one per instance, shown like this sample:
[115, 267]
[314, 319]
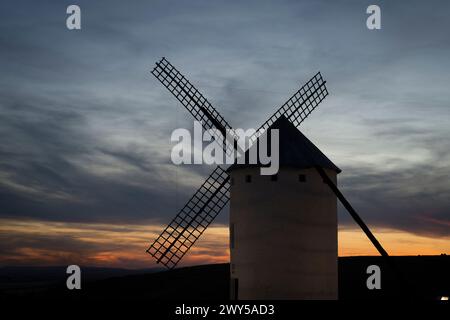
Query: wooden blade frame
[299, 106]
[189, 224]
[194, 101]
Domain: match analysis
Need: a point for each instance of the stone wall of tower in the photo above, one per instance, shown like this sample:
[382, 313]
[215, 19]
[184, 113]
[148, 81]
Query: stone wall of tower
[283, 235]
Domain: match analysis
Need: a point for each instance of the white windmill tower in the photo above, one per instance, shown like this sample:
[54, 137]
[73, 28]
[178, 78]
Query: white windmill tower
[285, 245]
[283, 227]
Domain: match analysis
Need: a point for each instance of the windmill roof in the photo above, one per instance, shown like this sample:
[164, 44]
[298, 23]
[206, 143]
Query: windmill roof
[295, 150]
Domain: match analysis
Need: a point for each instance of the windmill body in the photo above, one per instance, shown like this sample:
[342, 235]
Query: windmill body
[283, 228]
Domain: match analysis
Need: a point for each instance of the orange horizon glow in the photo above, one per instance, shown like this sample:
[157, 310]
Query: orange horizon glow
[41, 243]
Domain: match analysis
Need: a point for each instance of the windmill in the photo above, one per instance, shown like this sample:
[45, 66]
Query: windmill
[207, 202]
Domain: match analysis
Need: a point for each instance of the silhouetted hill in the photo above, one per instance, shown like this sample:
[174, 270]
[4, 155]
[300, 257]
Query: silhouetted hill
[428, 277]
[34, 281]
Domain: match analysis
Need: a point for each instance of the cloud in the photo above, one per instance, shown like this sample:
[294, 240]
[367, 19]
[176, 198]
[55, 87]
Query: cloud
[32, 242]
[403, 188]
[25, 242]
[85, 129]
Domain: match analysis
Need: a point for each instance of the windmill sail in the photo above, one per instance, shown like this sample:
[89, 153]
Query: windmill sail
[193, 100]
[189, 224]
[299, 106]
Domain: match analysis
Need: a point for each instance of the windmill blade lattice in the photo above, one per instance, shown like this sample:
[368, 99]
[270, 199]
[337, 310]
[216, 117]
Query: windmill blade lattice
[300, 105]
[189, 224]
[193, 100]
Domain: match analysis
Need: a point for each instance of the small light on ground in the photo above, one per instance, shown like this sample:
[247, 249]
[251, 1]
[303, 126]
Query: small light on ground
[444, 298]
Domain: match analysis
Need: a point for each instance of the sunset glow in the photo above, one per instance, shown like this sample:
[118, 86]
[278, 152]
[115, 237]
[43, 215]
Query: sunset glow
[109, 245]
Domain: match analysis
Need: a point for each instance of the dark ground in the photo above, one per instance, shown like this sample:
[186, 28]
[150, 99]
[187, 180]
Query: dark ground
[426, 277]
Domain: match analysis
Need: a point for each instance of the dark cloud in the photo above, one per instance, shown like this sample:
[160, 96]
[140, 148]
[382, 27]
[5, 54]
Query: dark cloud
[410, 200]
[71, 246]
[85, 129]
[401, 195]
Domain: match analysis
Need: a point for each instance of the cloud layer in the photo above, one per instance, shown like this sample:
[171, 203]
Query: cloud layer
[85, 129]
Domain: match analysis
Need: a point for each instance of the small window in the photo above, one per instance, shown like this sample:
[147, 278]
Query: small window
[248, 178]
[274, 177]
[301, 178]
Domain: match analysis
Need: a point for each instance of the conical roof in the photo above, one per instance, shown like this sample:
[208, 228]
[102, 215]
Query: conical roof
[295, 150]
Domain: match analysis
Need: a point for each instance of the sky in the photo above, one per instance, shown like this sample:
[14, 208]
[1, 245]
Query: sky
[85, 170]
